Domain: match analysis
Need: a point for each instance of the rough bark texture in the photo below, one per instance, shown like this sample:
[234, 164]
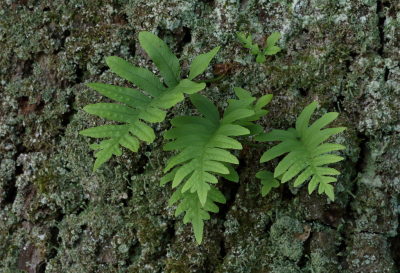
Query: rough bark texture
[56, 215]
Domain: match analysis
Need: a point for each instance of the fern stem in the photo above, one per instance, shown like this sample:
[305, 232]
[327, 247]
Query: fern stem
[349, 192]
[212, 80]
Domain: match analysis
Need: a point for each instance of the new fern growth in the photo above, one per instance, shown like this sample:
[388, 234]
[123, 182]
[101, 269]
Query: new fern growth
[141, 106]
[243, 96]
[306, 152]
[270, 49]
[202, 143]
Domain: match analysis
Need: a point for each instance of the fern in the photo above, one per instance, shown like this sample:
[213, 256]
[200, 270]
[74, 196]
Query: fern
[244, 95]
[268, 181]
[202, 143]
[306, 152]
[271, 49]
[140, 107]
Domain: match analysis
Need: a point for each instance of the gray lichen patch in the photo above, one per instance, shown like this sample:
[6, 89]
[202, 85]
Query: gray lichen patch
[323, 251]
[369, 252]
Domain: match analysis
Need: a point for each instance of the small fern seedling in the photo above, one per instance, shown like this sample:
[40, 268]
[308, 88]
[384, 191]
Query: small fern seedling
[243, 96]
[270, 49]
[306, 152]
[141, 106]
[202, 143]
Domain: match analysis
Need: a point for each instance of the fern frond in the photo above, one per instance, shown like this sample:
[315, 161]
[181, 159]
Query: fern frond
[248, 42]
[246, 101]
[306, 155]
[202, 142]
[271, 49]
[268, 181]
[142, 106]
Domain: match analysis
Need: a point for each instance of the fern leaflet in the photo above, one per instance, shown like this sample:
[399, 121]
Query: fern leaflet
[244, 95]
[268, 181]
[141, 106]
[306, 152]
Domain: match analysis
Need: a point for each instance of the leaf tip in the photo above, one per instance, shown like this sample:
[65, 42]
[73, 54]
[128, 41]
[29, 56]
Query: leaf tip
[109, 59]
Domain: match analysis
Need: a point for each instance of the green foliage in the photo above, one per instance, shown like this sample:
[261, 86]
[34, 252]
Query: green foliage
[244, 95]
[202, 143]
[268, 181]
[141, 106]
[270, 49]
[306, 152]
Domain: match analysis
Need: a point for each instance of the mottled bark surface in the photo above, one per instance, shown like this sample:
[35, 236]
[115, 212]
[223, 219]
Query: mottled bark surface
[56, 215]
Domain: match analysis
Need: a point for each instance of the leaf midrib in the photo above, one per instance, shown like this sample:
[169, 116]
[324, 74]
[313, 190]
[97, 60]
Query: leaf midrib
[150, 105]
[141, 111]
[204, 153]
[137, 75]
[311, 159]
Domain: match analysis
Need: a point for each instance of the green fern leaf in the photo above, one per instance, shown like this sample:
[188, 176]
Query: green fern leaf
[273, 38]
[248, 42]
[202, 143]
[143, 105]
[233, 175]
[196, 213]
[268, 181]
[246, 101]
[271, 49]
[261, 58]
[201, 62]
[163, 58]
[306, 156]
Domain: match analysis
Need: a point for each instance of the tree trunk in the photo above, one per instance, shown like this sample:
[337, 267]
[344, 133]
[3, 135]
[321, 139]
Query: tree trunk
[57, 215]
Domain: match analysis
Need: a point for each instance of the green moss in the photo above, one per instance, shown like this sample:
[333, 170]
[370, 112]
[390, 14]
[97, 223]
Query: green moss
[43, 180]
